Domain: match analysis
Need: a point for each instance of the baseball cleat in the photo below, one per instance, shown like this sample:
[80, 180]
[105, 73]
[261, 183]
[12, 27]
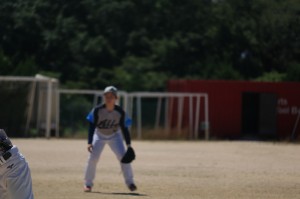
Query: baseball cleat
[132, 187]
[87, 189]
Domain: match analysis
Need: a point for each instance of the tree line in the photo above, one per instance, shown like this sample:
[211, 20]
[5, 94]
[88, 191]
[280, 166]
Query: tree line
[139, 45]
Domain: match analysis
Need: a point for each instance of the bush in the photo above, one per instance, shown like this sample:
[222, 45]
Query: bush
[293, 72]
[272, 76]
[73, 112]
[13, 105]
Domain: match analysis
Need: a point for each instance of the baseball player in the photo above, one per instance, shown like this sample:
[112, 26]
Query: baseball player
[107, 123]
[15, 177]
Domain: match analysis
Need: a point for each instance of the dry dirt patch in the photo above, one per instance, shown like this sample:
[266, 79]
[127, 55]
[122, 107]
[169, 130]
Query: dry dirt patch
[168, 169]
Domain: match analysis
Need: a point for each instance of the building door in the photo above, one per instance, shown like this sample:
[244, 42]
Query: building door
[259, 115]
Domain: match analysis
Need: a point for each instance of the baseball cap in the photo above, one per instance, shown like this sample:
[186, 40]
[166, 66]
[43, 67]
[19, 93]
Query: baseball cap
[111, 89]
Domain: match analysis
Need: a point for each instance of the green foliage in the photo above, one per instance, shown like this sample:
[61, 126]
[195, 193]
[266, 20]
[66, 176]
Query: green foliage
[293, 72]
[13, 102]
[272, 76]
[26, 68]
[72, 110]
[5, 64]
[225, 71]
[50, 74]
[138, 45]
[139, 74]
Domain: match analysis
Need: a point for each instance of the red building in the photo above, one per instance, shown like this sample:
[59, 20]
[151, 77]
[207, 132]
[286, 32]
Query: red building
[247, 109]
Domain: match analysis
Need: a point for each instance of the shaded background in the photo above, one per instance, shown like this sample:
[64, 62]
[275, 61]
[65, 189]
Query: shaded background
[140, 45]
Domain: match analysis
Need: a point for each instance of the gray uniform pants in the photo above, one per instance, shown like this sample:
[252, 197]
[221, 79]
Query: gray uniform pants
[15, 177]
[116, 144]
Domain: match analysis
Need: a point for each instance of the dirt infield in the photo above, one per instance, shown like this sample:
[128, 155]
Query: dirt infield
[173, 169]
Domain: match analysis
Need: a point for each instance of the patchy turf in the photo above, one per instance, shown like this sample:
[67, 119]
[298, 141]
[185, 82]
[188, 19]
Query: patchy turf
[168, 169]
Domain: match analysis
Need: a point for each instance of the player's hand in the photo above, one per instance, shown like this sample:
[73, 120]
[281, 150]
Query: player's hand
[90, 148]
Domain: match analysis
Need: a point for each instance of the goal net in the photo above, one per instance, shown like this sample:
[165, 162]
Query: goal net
[154, 115]
[36, 106]
[29, 106]
[168, 115]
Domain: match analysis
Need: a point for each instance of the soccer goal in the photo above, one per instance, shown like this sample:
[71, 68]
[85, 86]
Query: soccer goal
[184, 114]
[29, 105]
[152, 113]
[75, 105]
[36, 106]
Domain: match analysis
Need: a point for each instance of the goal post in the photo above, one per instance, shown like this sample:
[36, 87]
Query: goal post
[174, 102]
[38, 92]
[167, 106]
[35, 106]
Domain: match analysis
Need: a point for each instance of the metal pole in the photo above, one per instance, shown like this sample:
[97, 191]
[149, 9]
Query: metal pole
[167, 115]
[139, 117]
[170, 115]
[132, 114]
[197, 117]
[180, 114]
[40, 99]
[191, 117]
[48, 114]
[206, 118]
[125, 102]
[95, 100]
[130, 106]
[158, 110]
[30, 107]
[57, 112]
[295, 126]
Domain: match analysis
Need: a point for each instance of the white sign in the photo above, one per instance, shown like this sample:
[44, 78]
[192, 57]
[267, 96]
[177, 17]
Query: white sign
[283, 107]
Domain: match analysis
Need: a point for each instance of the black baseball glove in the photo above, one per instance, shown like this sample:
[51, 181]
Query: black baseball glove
[129, 156]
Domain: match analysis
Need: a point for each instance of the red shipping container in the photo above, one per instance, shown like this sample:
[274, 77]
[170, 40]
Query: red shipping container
[247, 109]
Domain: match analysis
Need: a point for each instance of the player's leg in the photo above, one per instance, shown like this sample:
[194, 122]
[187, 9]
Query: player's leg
[90, 171]
[2, 185]
[117, 146]
[19, 183]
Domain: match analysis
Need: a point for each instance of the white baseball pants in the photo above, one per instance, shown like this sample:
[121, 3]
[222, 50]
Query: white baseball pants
[116, 144]
[15, 177]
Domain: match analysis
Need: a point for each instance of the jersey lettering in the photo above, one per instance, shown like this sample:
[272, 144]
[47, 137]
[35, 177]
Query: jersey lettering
[107, 124]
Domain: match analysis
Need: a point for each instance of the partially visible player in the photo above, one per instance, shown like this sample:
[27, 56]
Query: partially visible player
[107, 123]
[15, 177]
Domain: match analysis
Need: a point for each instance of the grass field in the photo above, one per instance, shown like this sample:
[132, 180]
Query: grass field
[168, 169]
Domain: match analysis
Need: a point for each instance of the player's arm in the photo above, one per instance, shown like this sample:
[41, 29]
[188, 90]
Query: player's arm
[125, 130]
[91, 118]
[91, 132]
[90, 136]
